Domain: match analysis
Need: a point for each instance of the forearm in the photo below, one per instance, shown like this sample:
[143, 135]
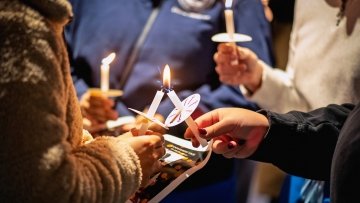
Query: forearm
[303, 143]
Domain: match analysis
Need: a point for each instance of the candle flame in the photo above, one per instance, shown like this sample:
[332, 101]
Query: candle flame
[228, 3]
[107, 60]
[166, 77]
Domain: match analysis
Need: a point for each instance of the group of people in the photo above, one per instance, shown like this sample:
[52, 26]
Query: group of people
[46, 154]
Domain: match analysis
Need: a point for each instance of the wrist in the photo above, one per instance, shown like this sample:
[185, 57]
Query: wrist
[256, 81]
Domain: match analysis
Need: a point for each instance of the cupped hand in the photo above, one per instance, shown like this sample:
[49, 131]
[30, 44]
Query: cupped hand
[149, 148]
[247, 71]
[236, 132]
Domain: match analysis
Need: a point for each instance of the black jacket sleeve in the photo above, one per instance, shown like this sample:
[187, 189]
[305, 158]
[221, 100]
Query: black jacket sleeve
[301, 143]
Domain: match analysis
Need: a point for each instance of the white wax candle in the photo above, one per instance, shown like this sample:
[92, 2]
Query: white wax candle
[189, 121]
[155, 103]
[105, 69]
[229, 20]
[151, 112]
[175, 99]
[104, 83]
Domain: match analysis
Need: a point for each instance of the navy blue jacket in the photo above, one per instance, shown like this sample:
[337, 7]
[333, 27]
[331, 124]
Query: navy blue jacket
[178, 37]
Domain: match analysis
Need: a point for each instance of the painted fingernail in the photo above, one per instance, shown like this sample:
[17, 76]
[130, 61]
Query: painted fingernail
[202, 131]
[241, 142]
[231, 145]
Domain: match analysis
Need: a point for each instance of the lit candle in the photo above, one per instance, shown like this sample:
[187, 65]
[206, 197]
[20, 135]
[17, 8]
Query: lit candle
[229, 19]
[151, 112]
[105, 68]
[177, 102]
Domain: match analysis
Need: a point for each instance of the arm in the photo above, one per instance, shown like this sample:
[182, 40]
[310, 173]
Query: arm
[299, 143]
[40, 150]
[303, 143]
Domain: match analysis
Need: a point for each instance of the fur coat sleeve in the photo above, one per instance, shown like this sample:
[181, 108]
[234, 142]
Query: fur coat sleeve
[42, 158]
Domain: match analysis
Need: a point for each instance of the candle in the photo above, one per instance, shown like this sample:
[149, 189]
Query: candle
[230, 28]
[177, 102]
[155, 103]
[151, 112]
[229, 19]
[105, 68]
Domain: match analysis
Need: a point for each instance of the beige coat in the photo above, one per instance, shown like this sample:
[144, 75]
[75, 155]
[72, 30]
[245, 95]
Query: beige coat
[42, 157]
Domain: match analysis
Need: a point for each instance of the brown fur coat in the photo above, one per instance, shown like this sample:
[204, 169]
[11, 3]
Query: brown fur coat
[42, 157]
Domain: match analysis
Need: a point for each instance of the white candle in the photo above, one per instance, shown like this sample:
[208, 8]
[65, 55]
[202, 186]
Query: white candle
[229, 19]
[155, 103]
[151, 112]
[104, 85]
[105, 69]
[230, 27]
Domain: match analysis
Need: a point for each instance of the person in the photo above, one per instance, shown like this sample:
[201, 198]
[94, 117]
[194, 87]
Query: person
[146, 35]
[45, 155]
[322, 68]
[322, 144]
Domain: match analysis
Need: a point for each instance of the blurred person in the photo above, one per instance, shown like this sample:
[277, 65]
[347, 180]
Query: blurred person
[146, 35]
[323, 144]
[45, 155]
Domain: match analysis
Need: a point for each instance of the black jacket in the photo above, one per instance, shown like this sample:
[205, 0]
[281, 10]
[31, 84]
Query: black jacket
[323, 144]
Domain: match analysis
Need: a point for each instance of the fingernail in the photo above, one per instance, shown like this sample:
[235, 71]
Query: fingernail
[202, 131]
[231, 145]
[241, 142]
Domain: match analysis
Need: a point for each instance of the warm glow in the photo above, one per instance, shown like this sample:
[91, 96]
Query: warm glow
[166, 77]
[228, 3]
[108, 59]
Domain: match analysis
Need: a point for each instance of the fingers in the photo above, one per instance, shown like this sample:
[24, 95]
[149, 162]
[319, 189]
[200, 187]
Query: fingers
[230, 148]
[226, 53]
[98, 107]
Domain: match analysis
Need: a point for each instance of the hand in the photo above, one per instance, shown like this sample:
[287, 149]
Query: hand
[149, 149]
[97, 109]
[153, 126]
[247, 72]
[235, 132]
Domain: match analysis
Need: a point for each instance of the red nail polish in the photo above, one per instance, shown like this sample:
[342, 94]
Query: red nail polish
[202, 131]
[231, 145]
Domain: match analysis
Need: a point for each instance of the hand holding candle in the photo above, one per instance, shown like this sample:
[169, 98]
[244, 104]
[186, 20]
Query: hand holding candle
[230, 35]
